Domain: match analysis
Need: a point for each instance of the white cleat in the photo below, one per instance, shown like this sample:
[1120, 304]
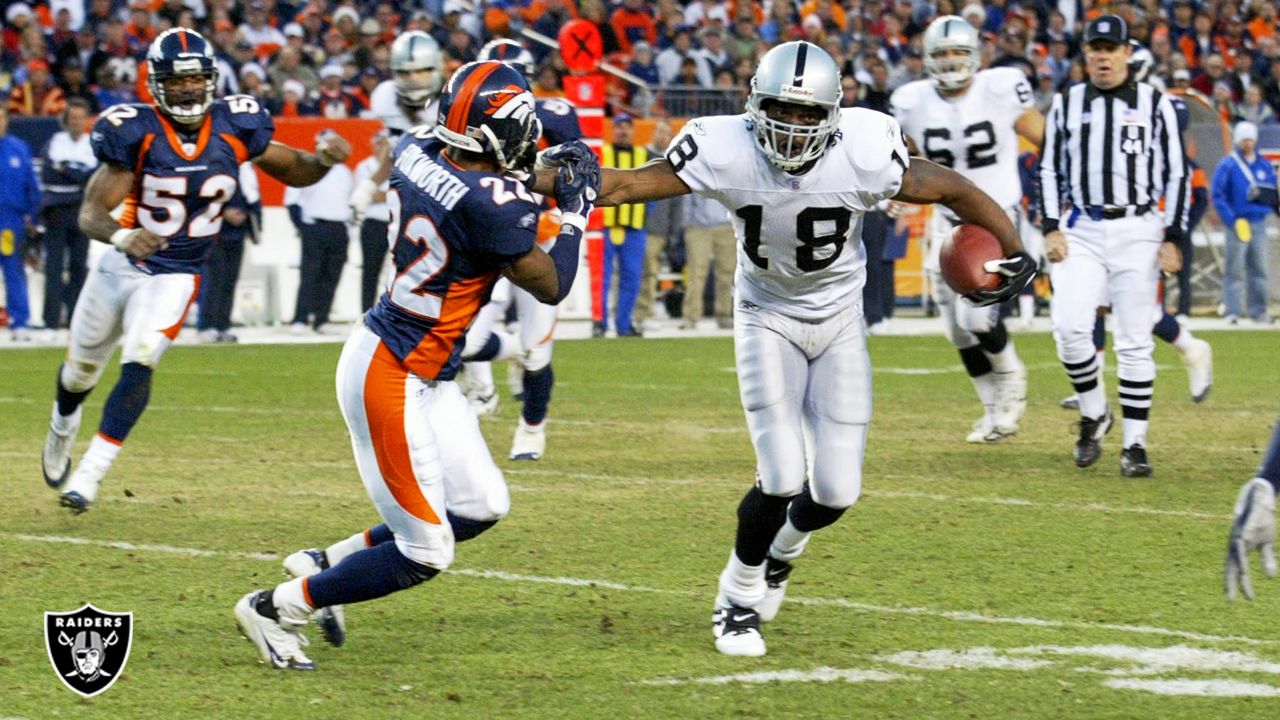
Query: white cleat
[984, 431]
[331, 620]
[56, 460]
[279, 645]
[1198, 358]
[530, 442]
[737, 631]
[1254, 528]
[1011, 399]
[776, 575]
[81, 489]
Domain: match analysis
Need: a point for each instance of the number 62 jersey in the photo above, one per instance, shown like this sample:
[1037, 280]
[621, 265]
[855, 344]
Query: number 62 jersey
[183, 178]
[799, 236]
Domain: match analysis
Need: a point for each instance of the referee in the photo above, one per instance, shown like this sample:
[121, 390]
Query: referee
[1112, 154]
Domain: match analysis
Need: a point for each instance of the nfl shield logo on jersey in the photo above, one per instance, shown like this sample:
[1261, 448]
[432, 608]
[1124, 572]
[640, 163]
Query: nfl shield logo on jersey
[88, 647]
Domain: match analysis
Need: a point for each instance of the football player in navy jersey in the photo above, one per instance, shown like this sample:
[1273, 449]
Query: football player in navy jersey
[487, 341]
[460, 218]
[173, 165]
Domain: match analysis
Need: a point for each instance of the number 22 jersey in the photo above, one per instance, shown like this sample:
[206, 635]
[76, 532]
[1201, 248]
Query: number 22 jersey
[183, 178]
[799, 236]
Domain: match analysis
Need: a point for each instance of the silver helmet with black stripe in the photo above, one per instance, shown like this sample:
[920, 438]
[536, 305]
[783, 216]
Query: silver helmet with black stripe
[952, 52]
[796, 73]
[412, 54]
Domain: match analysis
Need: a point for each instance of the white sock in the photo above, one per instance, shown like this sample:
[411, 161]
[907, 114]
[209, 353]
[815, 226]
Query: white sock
[741, 584]
[789, 542]
[291, 603]
[1135, 432]
[1184, 340]
[101, 451]
[1026, 307]
[481, 374]
[986, 387]
[339, 551]
[1006, 360]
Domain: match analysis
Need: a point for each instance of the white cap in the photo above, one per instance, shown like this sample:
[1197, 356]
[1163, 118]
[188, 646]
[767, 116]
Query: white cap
[331, 70]
[348, 12]
[974, 9]
[1181, 75]
[253, 68]
[294, 86]
[15, 10]
[451, 6]
[293, 29]
[1244, 131]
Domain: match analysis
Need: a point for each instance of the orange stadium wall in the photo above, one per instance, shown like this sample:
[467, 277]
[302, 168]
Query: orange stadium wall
[300, 132]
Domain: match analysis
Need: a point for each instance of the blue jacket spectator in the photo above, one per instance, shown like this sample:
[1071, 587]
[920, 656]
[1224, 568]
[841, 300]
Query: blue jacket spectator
[1244, 192]
[19, 201]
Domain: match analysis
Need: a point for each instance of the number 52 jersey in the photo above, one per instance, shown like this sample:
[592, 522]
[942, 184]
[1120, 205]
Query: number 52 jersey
[183, 179]
[799, 236]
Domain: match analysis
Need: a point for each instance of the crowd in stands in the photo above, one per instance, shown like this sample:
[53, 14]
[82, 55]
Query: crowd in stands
[323, 57]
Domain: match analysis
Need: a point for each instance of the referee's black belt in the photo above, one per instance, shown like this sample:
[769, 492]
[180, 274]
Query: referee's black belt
[1098, 212]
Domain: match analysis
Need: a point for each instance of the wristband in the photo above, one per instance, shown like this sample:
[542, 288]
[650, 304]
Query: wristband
[120, 238]
[574, 220]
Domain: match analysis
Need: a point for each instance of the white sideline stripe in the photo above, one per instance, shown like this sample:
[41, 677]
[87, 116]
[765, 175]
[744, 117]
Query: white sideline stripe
[821, 674]
[955, 615]
[1202, 688]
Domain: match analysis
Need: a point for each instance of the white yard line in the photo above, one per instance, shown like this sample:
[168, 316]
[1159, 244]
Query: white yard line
[821, 674]
[953, 615]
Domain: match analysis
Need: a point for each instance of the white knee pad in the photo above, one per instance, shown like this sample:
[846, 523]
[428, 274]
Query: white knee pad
[536, 357]
[976, 319]
[80, 375]
[438, 557]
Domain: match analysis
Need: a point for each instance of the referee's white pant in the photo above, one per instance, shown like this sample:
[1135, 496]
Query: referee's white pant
[1109, 262]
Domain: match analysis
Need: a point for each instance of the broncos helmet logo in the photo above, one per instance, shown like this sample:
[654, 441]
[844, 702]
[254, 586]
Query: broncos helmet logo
[511, 101]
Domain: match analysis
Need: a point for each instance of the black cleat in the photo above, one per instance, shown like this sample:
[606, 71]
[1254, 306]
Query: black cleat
[1089, 446]
[1133, 462]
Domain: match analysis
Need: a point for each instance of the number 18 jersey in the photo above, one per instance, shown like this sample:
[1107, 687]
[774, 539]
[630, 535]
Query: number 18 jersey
[973, 133]
[799, 236]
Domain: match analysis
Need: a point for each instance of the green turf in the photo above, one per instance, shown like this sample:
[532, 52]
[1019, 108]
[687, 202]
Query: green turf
[243, 451]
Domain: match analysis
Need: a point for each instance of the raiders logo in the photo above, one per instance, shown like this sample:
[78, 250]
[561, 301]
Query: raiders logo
[88, 647]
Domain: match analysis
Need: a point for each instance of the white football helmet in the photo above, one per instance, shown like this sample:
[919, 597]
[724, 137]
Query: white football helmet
[798, 73]
[951, 33]
[412, 51]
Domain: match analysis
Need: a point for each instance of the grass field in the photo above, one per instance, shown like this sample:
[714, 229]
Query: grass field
[969, 582]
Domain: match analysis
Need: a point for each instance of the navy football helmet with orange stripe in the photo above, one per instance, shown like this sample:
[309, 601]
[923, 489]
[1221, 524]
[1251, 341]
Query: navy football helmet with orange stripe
[175, 56]
[511, 53]
[487, 108]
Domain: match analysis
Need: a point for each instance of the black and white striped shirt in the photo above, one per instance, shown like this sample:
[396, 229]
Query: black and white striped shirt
[1111, 153]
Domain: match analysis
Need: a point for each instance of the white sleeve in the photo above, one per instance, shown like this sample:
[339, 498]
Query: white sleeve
[691, 154]
[880, 164]
[249, 183]
[1009, 89]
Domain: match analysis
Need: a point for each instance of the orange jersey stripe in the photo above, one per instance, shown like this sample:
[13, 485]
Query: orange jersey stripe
[461, 109]
[384, 388]
[242, 152]
[176, 143]
[172, 331]
[462, 301]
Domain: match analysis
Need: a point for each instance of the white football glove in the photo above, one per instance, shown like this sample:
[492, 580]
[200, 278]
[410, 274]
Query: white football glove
[1254, 528]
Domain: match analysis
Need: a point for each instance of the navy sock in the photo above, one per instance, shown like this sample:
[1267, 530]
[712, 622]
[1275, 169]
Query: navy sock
[760, 517]
[976, 362]
[491, 348]
[68, 401]
[127, 401]
[465, 528]
[995, 341]
[371, 573]
[808, 514]
[537, 394]
[1270, 470]
[1100, 333]
[1166, 328]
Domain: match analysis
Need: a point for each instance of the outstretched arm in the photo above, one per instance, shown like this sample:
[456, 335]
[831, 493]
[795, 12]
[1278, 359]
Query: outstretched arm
[108, 187]
[298, 168]
[925, 182]
[656, 180]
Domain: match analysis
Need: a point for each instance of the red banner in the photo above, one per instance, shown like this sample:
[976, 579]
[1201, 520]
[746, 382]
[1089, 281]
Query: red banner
[300, 132]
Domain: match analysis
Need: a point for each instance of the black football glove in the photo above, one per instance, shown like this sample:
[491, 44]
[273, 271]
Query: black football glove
[1016, 271]
[577, 185]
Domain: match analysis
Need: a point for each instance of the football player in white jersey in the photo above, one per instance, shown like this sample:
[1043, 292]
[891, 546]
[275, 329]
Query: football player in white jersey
[797, 206]
[970, 121]
[407, 100]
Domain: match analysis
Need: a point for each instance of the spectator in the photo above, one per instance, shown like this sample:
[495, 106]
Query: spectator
[1263, 24]
[72, 83]
[712, 53]
[264, 38]
[38, 95]
[1181, 80]
[19, 201]
[241, 217]
[743, 38]
[1242, 75]
[670, 61]
[81, 48]
[68, 163]
[115, 83]
[1222, 101]
[253, 81]
[1201, 43]
[288, 66]
[1212, 71]
[293, 101]
[1244, 194]
[139, 32]
[334, 101]
[1253, 109]
[462, 46]
[850, 92]
[624, 232]
[1271, 86]
[594, 11]
[662, 222]
[17, 17]
[320, 212]
[373, 228]
[708, 239]
[642, 63]
[781, 25]
[632, 23]
[911, 69]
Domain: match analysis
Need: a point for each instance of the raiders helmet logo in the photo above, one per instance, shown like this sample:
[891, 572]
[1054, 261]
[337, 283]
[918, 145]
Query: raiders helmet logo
[88, 647]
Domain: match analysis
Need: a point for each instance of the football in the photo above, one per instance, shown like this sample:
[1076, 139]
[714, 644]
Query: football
[963, 255]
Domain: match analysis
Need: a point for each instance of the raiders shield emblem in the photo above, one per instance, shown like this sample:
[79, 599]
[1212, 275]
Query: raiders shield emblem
[88, 647]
